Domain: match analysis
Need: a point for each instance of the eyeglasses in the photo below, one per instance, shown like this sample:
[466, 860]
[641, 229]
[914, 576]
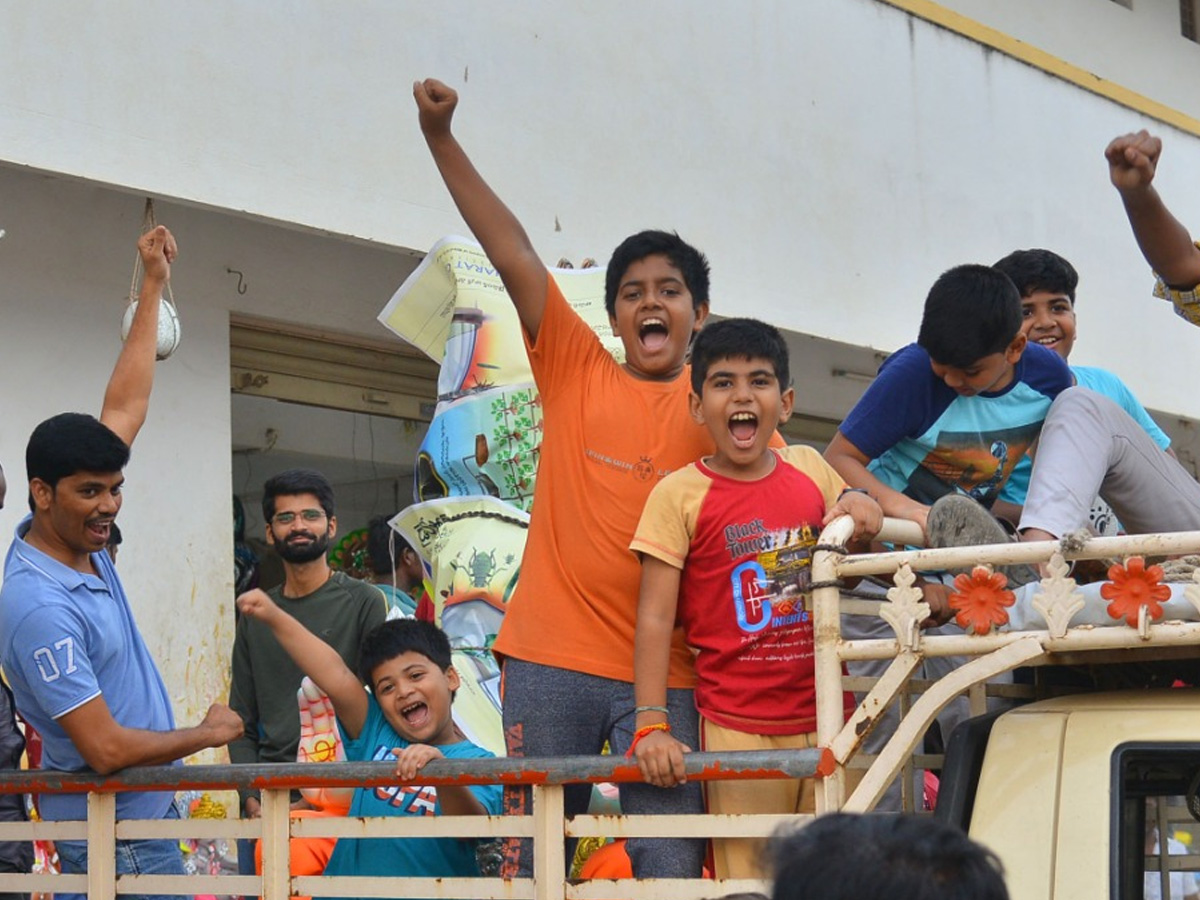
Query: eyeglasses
[308, 515]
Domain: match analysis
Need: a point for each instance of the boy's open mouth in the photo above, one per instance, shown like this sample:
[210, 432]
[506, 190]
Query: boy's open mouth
[653, 333]
[743, 426]
[415, 715]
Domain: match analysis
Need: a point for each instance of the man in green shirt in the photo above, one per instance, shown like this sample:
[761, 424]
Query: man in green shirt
[300, 523]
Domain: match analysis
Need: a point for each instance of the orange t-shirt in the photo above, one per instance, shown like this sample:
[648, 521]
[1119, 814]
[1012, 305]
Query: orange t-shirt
[608, 438]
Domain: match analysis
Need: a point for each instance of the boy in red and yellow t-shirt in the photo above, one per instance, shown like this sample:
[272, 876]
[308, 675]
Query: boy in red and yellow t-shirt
[725, 548]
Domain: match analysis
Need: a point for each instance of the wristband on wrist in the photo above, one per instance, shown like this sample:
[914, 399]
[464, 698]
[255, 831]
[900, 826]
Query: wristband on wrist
[642, 732]
[642, 709]
[853, 490]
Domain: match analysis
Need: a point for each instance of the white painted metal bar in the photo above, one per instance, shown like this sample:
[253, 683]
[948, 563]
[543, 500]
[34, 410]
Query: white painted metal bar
[374, 886]
[1031, 552]
[102, 844]
[1163, 635]
[662, 888]
[851, 736]
[276, 846]
[184, 829]
[923, 712]
[705, 825]
[549, 861]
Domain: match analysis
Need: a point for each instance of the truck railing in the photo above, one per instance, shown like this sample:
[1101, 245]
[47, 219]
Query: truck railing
[546, 825]
[839, 741]
[988, 655]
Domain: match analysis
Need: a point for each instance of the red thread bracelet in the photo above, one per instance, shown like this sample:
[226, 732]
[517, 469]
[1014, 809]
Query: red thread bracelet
[642, 732]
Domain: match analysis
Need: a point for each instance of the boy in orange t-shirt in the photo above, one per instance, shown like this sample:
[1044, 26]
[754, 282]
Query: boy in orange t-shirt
[611, 430]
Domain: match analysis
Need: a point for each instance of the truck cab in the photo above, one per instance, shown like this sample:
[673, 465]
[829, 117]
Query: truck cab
[1082, 796]
[1074, 793]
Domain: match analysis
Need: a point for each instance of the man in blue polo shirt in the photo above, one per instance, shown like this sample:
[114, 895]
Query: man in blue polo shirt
[79, 669]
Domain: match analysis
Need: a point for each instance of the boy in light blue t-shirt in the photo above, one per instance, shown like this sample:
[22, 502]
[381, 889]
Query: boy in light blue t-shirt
[1047, 285]
[406, 717]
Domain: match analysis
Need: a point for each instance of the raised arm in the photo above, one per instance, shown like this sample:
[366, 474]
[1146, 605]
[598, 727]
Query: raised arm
[107, 746]
[493, 224]
[1164, 241]
[316, 659]
[127, 398]
[851, 464]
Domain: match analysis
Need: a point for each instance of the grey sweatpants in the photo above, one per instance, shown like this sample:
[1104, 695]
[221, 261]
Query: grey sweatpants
[557, 712]
[1090, 447]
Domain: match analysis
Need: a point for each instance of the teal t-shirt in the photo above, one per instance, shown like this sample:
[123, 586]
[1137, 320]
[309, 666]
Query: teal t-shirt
[407, 857]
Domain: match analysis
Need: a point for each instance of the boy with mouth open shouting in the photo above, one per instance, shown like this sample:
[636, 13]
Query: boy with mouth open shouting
[725, 547]
[611, 431]
[406, 717]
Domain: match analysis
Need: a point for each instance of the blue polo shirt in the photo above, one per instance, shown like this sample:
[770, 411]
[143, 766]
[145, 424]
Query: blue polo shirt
[67, 637]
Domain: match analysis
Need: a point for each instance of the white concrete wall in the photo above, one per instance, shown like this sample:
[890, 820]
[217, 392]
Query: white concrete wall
[1137, 44]
[832, 156]
[65, 266]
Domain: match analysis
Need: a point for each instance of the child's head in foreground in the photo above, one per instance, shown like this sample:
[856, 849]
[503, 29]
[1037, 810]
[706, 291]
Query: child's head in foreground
[656, 295]
[407, 664]
[971, 329]
[1047, 285]
[741, 391]
[882, 857]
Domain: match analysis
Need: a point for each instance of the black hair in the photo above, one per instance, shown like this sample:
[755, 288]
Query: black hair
[114, 536]
[384, 544]
[690, 262]
[1039, 270]
[971, 312]
[297, 481]
[70, 443]
[239, 521]
[881, 857]
[739, 339]
[397, 636]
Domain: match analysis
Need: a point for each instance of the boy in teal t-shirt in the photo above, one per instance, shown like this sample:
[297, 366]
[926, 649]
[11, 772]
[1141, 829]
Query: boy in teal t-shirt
[406, 717]
[1047, 282]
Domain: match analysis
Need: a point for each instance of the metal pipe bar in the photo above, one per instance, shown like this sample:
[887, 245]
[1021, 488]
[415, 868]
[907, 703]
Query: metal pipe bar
[731, 766]
[1031, 552]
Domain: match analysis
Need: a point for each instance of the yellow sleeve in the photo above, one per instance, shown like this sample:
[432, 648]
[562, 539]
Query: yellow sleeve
[669, 517]
[812, 464]
[1187, 303]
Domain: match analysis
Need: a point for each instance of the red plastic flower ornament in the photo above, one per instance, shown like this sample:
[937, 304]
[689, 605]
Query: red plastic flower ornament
[981, 599]
[1132, 586]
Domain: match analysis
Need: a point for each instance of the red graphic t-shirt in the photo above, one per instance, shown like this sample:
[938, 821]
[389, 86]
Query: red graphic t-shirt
[745, 553]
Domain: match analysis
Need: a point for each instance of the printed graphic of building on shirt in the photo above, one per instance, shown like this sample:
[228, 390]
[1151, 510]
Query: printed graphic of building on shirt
[770, 590]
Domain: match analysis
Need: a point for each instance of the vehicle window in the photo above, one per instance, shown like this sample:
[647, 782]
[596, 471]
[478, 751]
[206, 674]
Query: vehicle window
[1158, 840]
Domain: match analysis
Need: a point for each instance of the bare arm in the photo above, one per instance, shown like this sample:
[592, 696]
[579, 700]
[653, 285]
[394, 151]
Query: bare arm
[1163, 240]
[127, 398]
[851, 464]
[107, 746]
[493, 224]
[659, 756]
[316, 659]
